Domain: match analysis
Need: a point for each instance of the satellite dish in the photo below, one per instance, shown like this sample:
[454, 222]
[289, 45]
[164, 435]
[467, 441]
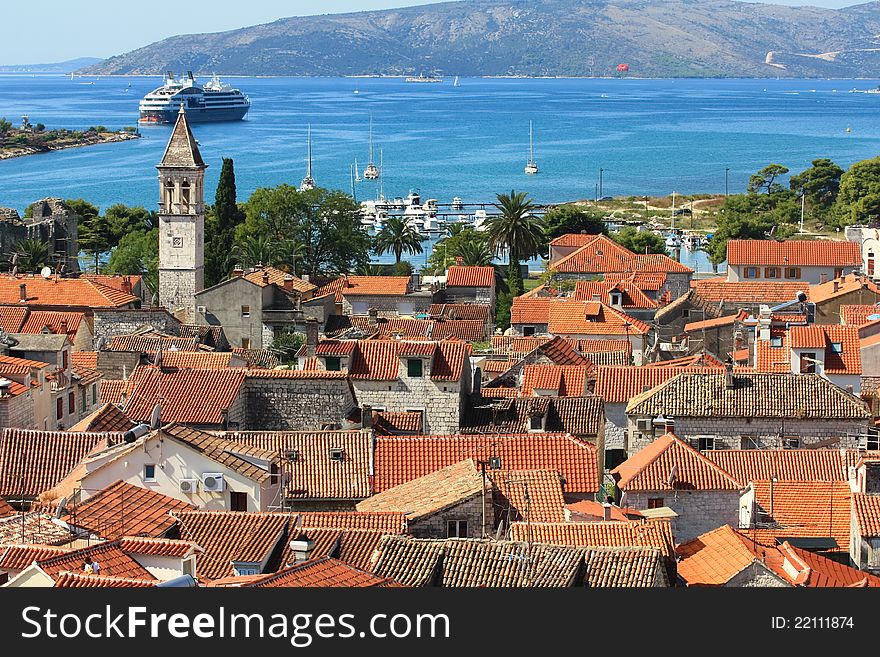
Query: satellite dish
[156, 417]
[46, 272]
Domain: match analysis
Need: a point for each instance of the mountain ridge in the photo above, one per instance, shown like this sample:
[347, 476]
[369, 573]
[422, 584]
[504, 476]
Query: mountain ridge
[657, 38]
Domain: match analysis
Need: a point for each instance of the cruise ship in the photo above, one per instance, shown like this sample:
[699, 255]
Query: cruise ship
[213, 101]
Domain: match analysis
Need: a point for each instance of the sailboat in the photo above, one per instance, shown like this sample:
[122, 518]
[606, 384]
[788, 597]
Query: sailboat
[532, 166]
[370, 171]
[455, 82]
[308, 182]
[357, 175]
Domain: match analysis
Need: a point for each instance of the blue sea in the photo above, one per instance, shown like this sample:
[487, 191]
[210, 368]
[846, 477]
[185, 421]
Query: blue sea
[471, 141]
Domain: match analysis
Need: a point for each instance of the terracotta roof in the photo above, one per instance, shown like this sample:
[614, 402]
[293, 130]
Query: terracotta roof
[603, 255]
[516, 346]
[116, 281]
[33, 461]
[630, 567]
[257, 357]
[851, 283]
[746, 465]
[591, 511]
[457, 562]
[308, 373]
[122, 509]
[333, 286]
[715, 290]
[429, 494]
[794, 253]
[814, 570]
[618, 384]
[472, 311]
[225, 452]
[563, 380]
[753, 395]
[68, 292]
[631, 295]
[57, 321]
[306, 461]
[272, 276]
[113, 562]
[353, 546]
[374, 286]
[561, 351]
[642, 280]
[726, 320]
[20, 556]
[196, 360]
[228, 536]
[85, 359]
[852, 315]
[399, 459]
[68, 580]
[572, 239]
[703, 359]
[714, 558]
[5, 509]
[579, 416]
[390, 424]
[591, 318]
[773, 355]
[535, 495]
[182, 150]
[188, 396]
[499, 393]
[23, 364]
[151, 342]
[106, 418]
[866, 509]
[83, 376]
[12, 317]
[823, 336]
[591, 347]
[458, 276]
[380, 359]
[802, 509]
[531, 311]
[611, 533]
[651, 469]
[389, 522]
[157, 546]
[322, 573]
[33, 528]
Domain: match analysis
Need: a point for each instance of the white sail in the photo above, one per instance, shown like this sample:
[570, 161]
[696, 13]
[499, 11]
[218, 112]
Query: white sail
[532, 166]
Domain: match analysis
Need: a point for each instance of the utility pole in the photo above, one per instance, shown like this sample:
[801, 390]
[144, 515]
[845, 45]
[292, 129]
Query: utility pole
[601, 171]
[726, 189]
[803, 203]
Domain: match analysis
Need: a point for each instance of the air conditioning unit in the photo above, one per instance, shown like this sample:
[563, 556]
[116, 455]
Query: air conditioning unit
[213, 482]
[188, 486]
[201, 309]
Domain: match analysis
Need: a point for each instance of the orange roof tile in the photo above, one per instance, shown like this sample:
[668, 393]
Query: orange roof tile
[196, 360]
[715, 290]
[591, 318]
[619, 383]
[399, 459]
[58, 322]
[5, 509]
[158, 546]
[272, 276]
[713, 558]
[572, 239]
[727, 320]
[866, 509]
[12, 317]
[68, 292]
[747, 465]
[530, 311]
[33, 527]
[591, 511]
[773, 355]
[107, 418]
[651, 469]
[852, 315]
[611, 533]
[824, 336]
[390, 522]
[21, 555]
[68, 580]
[653, 282]
[563, 380]
[702, 359]
[458, 276]
[122, 509]
[794, 253]
[814, 570]
[375, 285]
[393, 423]
[150, 343]
[324, 572]
[470, 311]
[122, 283]
[533, 495]
[113, 562]
[380, 359]
[85, 359]
[631, 296]
[848, 284]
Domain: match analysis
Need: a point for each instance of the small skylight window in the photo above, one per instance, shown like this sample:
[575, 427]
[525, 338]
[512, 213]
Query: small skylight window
[837, 347]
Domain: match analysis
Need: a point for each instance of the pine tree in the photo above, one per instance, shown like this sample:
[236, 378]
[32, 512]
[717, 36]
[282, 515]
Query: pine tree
[220, 225]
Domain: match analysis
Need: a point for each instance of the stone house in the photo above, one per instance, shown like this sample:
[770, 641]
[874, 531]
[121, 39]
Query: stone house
[864, 544]
[63, 294]
[623, 295]
[724, 557]
[197, 467]
[671, 473]
[731, 410]
[869, 246]
[830, 298]
[811, 261]
[52, 221]
[256, 307]
[470, 285]
[389, 295]
[21, 319]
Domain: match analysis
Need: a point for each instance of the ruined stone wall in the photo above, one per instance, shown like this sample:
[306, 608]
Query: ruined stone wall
[295, 404]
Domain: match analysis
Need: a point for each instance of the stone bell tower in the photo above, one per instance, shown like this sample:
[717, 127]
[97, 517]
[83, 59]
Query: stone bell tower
[181, 222]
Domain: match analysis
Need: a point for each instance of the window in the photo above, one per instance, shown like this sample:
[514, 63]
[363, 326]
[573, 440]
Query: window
[245, 311]
[456, 529]
[655, 502]
[94, 393]
[837, 347]
[748, 442]
[686, 313]
[150, 472]
[808, 363]
[85, 401]
[333, 363]
[870, 263]
[528, 331]
[71, 403]
[536, 423]
[792, 272]
[177, 242]
[705, 442]
[337, 454]
[414, 367]
[771, 272]
[245, 343]
[189, 567]
[791, 442]
[64, 359]
[751, 272]
[775, 340]
[237, 501]
[59, 408]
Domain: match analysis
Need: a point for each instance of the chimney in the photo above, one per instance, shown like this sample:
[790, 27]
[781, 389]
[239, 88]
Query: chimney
[458, 261]
[63, 325]
[366, 416]
[305, 278]
[374, 316]
[22, 292]
[302, 547]
[288, 282]
[311, 336]
[415, 281]
[265, 278]
[237, 271]
[836, 285]
[126, 284]
[606, 511]
[728, 375]
[478, 381]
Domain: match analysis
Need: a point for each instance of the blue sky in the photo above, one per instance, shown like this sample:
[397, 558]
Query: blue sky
[64, 29]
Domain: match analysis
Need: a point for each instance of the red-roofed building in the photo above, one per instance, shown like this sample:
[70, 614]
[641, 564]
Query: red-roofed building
[813, 261]
[554, 380]
[671, 473]
[389, 295]
[864, 543]
[63, 294]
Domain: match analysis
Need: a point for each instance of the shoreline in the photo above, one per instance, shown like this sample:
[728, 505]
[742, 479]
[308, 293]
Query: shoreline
[23, 151]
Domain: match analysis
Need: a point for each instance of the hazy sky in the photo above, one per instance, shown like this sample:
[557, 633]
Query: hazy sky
[56, 30]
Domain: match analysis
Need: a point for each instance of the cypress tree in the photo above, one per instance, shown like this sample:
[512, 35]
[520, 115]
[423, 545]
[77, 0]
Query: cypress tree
[225, 216]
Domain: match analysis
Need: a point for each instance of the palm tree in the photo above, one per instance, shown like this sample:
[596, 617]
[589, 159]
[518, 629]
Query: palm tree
[398, 236]
[255, 250]
[368, 270]
[30, 255]
[516, 230]
[474, 253]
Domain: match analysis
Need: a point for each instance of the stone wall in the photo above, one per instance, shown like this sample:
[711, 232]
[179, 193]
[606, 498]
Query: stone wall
[699, 511]
[764, 432]
[615, 426]
[295, 404]
[417, 302]
[117, 364]
[471, 510]
[756, 575]
[678, 284]
[18, 411]
[109, 323]
[440, 401]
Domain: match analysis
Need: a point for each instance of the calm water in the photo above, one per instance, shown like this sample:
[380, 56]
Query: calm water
[649, 136]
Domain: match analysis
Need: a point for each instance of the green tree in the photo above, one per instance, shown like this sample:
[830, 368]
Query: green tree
[475, 253]
[137, 254]
[402, 268]
[220, 225]
[640, 241]
[859, 194]
[253, 250]
[123, 219]
[516, 230]
[502, 310]
[286, 344]
[397, 236]
[742, 216]
[820, 183]
[462, 241]
[765, 179]
[30, 255]
[94, 230]
[5, 126]
[572, 218]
